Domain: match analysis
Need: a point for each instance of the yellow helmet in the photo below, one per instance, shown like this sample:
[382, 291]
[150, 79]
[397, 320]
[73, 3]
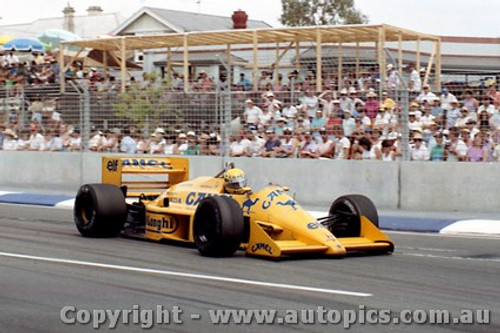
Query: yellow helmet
[235, 181]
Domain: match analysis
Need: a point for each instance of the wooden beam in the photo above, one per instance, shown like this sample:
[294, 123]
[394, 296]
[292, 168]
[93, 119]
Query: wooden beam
[438, 65]
[297, 54]
[186, 63]
[62, 78]
[417, 65]
[255, 72]
[123, 64]
[277, 64]
[169, 64]
[105, 62]
[429, 65]
[381, 54]
[357, 60]
[319, 58]
[339, 65]
[400, 53]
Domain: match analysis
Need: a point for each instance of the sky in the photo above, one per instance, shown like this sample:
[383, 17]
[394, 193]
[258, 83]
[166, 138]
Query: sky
[475, 18]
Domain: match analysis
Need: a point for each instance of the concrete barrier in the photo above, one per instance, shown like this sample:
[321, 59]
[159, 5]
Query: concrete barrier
[407, 185]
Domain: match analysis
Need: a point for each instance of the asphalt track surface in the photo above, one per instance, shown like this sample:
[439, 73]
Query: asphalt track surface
[46, 265]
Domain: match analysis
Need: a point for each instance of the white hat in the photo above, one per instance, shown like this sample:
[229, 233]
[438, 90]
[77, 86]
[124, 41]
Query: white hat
[159, 130]
[270, 94]
[248, 101]
[182, 136]
[390, 66]
[191, 133]
[343, 92]
[347, 111]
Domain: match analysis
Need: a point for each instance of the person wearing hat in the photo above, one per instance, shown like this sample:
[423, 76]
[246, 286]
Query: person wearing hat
[9, 140]
[289, 110]
[414, 78]
[446, 98]
[418, 149]
[383, 119]
[273, 105]
[464, 117]
[348, 123]
[453, 114]
[392, 77]
[437, 151]
[426, 94]
[427, 117]
[309, 148]
[372, 105]
[345, 102]
[310, 103]
[181, 144]
[127, 144]
[317, 123]
[326, 101]
[387, 102]
[456, 149]
[353, 95]
[252, 113]
[280, 125]
[157, 143]
[244, 83]
[413, 122]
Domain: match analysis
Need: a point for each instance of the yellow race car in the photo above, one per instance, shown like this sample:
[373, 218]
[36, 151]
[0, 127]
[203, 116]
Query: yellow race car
[152, 198]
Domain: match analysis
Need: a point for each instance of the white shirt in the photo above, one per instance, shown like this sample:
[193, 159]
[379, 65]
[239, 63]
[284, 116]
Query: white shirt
[238, 147]
[291, 111]
[128, 145]
[349, 126]
[340, 145]
[253, 114]
[446, 101]
[9, 144]
[421, 153]
[36, 142]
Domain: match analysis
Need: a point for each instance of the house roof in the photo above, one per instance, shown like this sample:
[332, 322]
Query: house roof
[203, 58]
[86, 26]
[180, 21]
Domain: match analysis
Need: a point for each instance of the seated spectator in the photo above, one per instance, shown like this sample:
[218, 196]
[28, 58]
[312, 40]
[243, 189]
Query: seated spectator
[193, 147]
[238, 145]
[36, 140]
[371, 105]
[478, 152]
[271, 144]
[127, 144]
[342, 145]
[252, 113]
[309, 148]
[10, 141]
[75, 141]
[181, 144]
[53, 141]
[326, 146]
[256, 144]
[388, 151]
[470, 102]
[418, 150]
[96, 139]
[438, 149]
[244, 82]
[157, 143]
[426, 95]
[326, 101]
[288, 146]
[456, 150]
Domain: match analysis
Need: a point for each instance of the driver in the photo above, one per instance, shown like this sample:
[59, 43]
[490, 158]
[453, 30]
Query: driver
[235, 181]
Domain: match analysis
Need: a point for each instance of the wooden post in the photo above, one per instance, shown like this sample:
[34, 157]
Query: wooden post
[340, 65]
[429, 65]
[357, 60]
[255, 73]
[186, 63]
[417, 65]
[438, 65]
[319, 58]
[62, 79]
[105, 63]
[229, 64]
[169, 64]
[297, 54]
[381, 45]
[123, 64]
[277, 64]
[400, 53]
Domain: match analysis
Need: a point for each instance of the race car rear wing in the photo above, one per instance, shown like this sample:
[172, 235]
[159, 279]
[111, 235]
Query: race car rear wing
[144, 175]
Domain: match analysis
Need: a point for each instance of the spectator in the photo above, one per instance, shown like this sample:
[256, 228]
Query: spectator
[252, 113]
[256, 144]
[436, 109]
[317, 123]
[244, 82]
[342, 145]
[271, 144]
[303, 124]
[387, 153]
[326, 146]
[238, 145]
[453, 114]
[416, 82]
[413, 123]
[348, 123]
[192, 147]
[456, 150]
[446, 99]
[392, 77]
[280, 126]
[157, 143]
[288, 146]
[494, 94]
[53, 141]
[470, 102]
[310, 104]
[478, 152]
[36, 140]
[426, 95]
[371, 105]
[75, 141]
[355, 100]
[273, 105]
[96, 139]
[289, 110]
[418, 150]
[427, 117]
[309, 148]
[10, 141]
[128, 145]
[345, 102]
[326, 101]
[264, 81]
[438, 150]
[387, 102]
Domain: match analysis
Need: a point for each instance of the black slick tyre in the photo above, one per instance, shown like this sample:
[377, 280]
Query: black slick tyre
[347, 211]
[218, 226]
[100, 210]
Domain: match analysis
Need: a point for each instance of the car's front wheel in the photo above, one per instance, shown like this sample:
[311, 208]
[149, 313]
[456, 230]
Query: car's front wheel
[346, 212]
[100, 210]
[218, 226]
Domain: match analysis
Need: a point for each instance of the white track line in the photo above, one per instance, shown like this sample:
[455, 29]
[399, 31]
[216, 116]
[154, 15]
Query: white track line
[186, 275]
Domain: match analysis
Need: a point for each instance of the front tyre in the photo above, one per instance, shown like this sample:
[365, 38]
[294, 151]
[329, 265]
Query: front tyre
[347, 211]
[218, 226]
[100, 210]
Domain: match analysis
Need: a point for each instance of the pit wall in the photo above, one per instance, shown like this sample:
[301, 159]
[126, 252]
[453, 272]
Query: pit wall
[419, 186]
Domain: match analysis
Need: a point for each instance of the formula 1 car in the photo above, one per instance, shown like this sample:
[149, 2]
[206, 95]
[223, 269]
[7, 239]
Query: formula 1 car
[168, 206]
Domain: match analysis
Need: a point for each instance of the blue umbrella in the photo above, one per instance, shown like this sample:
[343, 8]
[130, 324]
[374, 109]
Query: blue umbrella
[23, 44]
[53, 37]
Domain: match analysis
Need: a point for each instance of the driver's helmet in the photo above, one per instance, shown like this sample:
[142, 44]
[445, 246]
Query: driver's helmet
[235, 181]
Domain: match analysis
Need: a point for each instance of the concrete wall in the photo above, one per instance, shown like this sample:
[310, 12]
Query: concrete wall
[407, 185]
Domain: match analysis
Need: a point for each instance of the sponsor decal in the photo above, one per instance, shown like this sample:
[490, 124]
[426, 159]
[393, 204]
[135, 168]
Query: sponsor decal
[165, 224]
[174, 200]
[270, 198]
[248, 203]
[289, 202]
[262, 246]
[112, 165]
[314, 225]
[143, 163]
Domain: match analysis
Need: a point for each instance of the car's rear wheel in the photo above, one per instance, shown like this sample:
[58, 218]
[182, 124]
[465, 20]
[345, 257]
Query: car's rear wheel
[346, 212]
[100, 210]
[218, 226]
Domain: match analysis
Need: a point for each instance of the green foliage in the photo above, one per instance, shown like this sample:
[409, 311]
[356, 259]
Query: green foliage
[146, 108]
[320, 12]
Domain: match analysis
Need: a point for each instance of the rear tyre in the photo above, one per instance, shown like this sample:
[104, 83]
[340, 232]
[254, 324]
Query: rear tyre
[100, 210]
[218, 226]
[347, 211]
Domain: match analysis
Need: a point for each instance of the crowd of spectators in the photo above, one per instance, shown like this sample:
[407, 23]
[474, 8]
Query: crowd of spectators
[347, 120]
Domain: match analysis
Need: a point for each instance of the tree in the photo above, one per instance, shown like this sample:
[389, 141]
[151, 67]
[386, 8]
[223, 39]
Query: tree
[320, 12]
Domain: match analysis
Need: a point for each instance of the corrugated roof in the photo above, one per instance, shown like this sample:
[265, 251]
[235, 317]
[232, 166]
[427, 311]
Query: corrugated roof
[180, 21]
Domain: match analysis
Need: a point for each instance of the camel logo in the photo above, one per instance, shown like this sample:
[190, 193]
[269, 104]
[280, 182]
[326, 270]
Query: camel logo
[289, 202]
[248, 204]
